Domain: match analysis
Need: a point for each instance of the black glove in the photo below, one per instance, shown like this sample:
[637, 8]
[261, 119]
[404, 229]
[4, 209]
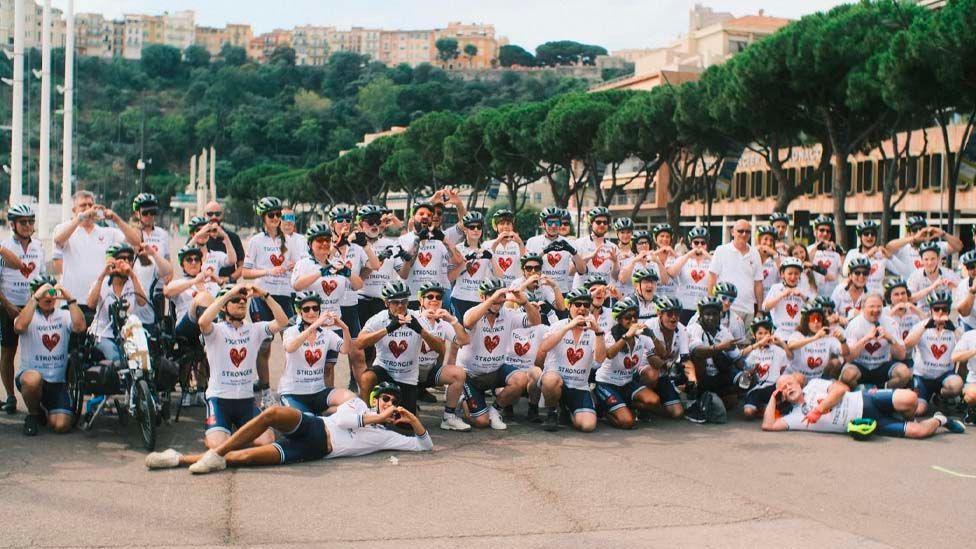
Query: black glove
[415, 324]
[437, 234]
[618, 332]
[423, 233]
[485, 254]
[471, 256]
[343, 241]
[567, 247]
[344, 271]
[326, 270]
[393, 325]
[360, 239]
[818, 269]
[385, 254]
[554, 247]
[404, 255]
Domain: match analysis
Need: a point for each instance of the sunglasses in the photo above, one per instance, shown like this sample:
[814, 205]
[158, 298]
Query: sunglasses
[151, 211]
[601, 222]
[25, 221]
[436, 297]
[192, 259]
[859, 273]
[397, 301]
[288, 217]
[869, 233]
[553, 223]
[342, 220]
[311, 309]
[273, 215]
[236, 300]
[473, 227]
[698, 242]
[940, 309]
[389, 399]
[126, 258]
[214, 214]
[630, 317]
[743, 231]
[371, 221]
[532, 268]
[581, 304]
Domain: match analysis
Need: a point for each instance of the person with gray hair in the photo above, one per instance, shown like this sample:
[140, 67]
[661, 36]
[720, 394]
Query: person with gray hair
[738, 263]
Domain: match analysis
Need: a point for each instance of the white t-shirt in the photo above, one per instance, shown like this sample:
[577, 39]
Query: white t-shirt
[933, 353]
[835, 421]
[15, 283]
[909, 259]
[571, 359]
[811, 359]
[355, 259]
[769, 362]
[679, 341]
[876, 351]
[555, 265]
[330, 288]
[601, 263]
[620, 369]
[232, 353]
[507, 257]
[879, 265]
[350, 438]
[525, 346]
[844, 302]
[429, 358]
[374, 282]
[299, 244]
[905, 322]
[44, 345]
[831, 262]
[967, 343]
[692, 282]
[182, 300]
[215, 260]
[489, 343]
[741, 270]
[786, 313]
[305, 367]
[157, 239]
[148, 275]
[919, 281]
[730, 322]
[670, 288]
[397, 353]
[698, 337]
[84, 257]
[467, 283]
[430, 262]
[102, 324]
[770, 274]
[959, 295]
[264, 252]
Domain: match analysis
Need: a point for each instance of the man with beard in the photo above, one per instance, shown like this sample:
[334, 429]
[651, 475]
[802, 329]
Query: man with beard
[561, 258]
[600, 254]
[428, 255]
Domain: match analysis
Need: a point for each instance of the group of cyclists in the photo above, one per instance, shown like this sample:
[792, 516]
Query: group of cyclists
[617, 324]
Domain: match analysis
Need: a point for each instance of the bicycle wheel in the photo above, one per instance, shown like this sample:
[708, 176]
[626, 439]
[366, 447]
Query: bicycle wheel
[145, 413]
[76, 387]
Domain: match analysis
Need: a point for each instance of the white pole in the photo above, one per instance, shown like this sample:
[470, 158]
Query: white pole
[44, 177]
[69, 97]
[202, 182]
[17, 122]
[213, 173]
[192, 187]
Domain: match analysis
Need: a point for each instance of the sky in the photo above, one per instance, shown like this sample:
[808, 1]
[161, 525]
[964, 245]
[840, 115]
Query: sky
[613, 24]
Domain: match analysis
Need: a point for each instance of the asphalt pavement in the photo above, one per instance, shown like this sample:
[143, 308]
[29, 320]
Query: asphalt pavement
[666, 483]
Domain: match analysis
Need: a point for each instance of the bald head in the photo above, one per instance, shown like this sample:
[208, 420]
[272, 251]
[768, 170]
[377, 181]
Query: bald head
[741, 232]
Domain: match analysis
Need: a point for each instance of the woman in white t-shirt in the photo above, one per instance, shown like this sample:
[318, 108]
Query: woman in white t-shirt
[117, 282]
[900, 306]
[642, 258]
[192, 292]
[691, 271]
[664, 257]
[818, 350]
[477, 266]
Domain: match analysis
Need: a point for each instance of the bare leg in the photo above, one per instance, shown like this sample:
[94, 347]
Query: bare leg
[258, 455]
[621, 418]
[7, 367]
[366, 384]
[513, 389]
[31, 386]
[533, 389]
[585, 421]
[282, 418]
[901, 376]
[552, 388]
[263, 356]
[921, 429]
[452, 376]
[60, 423]
[330, 374]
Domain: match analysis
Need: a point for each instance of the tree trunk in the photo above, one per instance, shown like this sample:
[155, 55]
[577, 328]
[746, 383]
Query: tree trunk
[839, 191]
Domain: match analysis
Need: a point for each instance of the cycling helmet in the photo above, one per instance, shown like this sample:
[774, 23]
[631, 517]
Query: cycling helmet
[577, 295]
[916, 222]
[939, 297]
[564, 215]
[489, 286]
[189, 249]
[302, 297]
[19, 211]
[268, 204]
[858, 262]
[529, 256]
[224, 290]
[430, 287]
[316, 230]
[812, 306]
[930, 247]
[623, 224]
[642, 274]
[709, 302]
[422, 204]
[384, 388]
[550, 213]
[698, 232]
[599, 211]
[869, 225]
[788, 262]
[41, 280]
[623, 306]
[767, 229]
[762, 321]
[503, 213]
[778, 216]
[892, 283]
[595, 279]
[115, 250]
[369, 210]
[725, 288]
[663, 304]
[473, 218]
[662, 228]
[142, 200]
[968, 259]
[824, 302]
[340, 213]
[396, 289]
[861, 428]
[196, 222]
[641, 235]
[823, 219]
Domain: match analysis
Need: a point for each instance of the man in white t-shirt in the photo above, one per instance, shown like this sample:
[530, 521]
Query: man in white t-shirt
[428, 254]
[145, 206]
[560, 258]
[934, 340]
[877, 352]
[965, 352]
[739, 264]
[600, 254]
[44, 330]
[906, 250]
[83, 243]
[826, 406]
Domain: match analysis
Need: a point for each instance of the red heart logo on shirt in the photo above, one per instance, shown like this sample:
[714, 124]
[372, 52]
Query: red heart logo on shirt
[814, 362]
[792, 309]
[473, 268]
[630, 361]
[824, 264]
[598, 259]
[51, 341]
[697, 275]
[491, 342]
[874, 267]
[398, 348]
[872, 346]
[574, 354]
[237, 356]
[424, 258]
[554, 259]
[762, 368]
[27, 269]
[522, 348]
[277, 259]
[329, 286]
[918, 263]
[313, 357]
[504, 263]
[938, 350]
[765, 274]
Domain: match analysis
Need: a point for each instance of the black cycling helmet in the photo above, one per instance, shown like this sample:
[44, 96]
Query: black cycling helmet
[430, 287]
[623, 224]
[578, 295]
[599, 211]
[302, 298]
[224, 290]
[810, 307]
[762, 321]
[384, 388]
[698, 232]
[642, 235]
[115, 250]
[916, 222]
[143, 200]
[340, 213]
[41, 280]
[725, 288]
[473, 218]
[489, 286]
[710, 302]
[623, 306]
[968, 259]
[369, 210]
[268, 204]
[316, 230]
[20, 211]
[195, 223]
[641, 274]
[550, 213]
[663, 304]
[530, 256]
[189, 249]
[823, 219]
[503, 213]
[779, 216]
[595, 279]
[662, 228]
[892, 283]
[939, 297]
[422, 204]
[824, 302]
[396, 289]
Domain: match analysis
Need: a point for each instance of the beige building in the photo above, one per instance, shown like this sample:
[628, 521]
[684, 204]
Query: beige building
[261, 46]
[94, 36]
[32, 25]
[213, 39]
[410, 47]
[480, 36]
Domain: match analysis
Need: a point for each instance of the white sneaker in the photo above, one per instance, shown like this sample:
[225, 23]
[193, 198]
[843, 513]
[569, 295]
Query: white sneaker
[451, 422]
[495, 419]
[210, 462]
[167, 459]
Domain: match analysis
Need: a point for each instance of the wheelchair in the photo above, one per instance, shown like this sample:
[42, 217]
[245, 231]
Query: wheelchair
[137, 385]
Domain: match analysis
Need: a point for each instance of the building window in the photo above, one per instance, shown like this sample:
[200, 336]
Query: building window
[927, 171]
[827, 180]
[757, 185]
[936, 171]
[537, 197]
[736, 45]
